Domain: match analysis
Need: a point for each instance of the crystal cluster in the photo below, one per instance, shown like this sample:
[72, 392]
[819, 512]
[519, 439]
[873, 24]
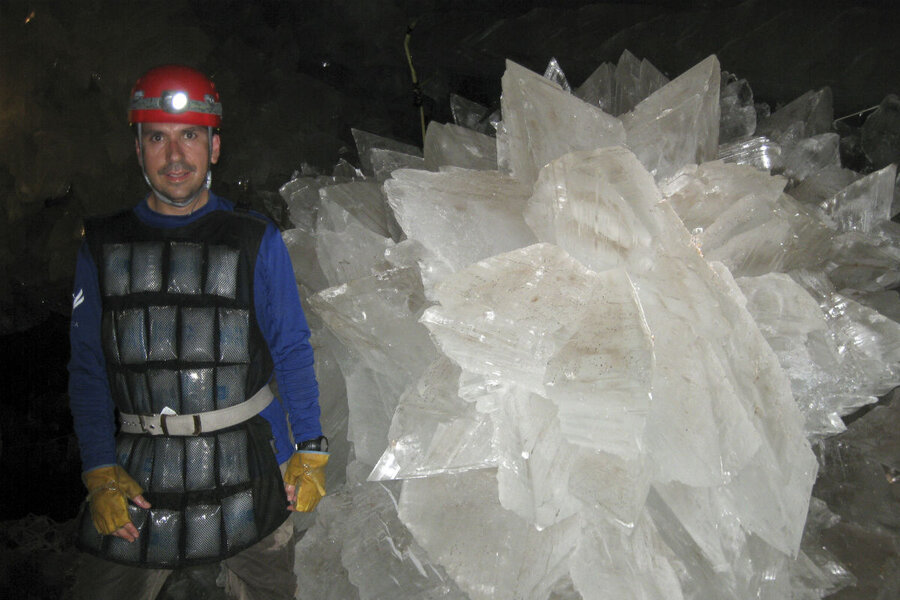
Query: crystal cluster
[587, 359]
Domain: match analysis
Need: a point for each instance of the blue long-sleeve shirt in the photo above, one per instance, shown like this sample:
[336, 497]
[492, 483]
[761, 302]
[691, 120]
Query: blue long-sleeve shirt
[278, 312]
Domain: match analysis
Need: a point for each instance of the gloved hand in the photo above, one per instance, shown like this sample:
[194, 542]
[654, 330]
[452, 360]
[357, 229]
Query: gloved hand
[304, 479]
[108, 488]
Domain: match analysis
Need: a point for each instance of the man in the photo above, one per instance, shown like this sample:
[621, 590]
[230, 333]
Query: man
[183, 308]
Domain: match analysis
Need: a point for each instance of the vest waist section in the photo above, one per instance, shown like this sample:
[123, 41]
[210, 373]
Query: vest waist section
[196, 423]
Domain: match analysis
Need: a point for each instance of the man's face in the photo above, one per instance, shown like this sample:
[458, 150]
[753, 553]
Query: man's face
[175, 158]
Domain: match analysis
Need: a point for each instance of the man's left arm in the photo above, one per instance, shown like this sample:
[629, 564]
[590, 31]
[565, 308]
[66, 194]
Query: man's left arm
[283, 324]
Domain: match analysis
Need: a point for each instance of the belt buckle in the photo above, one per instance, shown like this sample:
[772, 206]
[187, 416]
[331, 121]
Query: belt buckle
[148, 424]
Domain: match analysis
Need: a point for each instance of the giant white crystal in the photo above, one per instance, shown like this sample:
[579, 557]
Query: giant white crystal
[635, 80]
[606, 414]
[490, 552]
[368, 143]
[600, 378]
[808, 115]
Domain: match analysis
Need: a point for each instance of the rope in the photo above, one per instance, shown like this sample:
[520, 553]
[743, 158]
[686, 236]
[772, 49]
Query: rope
[417, 91]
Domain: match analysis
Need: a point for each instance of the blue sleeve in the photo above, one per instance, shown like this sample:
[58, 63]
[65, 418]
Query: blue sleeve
[284, 327]
[89, 396]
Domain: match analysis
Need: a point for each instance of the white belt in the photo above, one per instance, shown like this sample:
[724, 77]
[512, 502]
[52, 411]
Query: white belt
[197, 423]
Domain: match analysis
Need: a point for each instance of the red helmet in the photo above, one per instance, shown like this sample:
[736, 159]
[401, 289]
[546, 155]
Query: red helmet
[175, 94]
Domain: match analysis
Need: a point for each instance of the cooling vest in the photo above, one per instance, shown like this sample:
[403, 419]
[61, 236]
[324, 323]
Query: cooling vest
[180, 336]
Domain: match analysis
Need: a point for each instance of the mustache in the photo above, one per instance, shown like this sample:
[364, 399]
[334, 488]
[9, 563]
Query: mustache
[176, 166]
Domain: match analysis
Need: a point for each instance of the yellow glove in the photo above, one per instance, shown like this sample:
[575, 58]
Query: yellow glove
[108, 488]
[306, 472]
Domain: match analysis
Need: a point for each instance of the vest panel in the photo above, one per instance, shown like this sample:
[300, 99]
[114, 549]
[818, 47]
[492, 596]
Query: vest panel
[179, 333]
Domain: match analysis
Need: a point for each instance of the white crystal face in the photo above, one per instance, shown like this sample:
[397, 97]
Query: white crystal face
[434, 431]
[458, 216]
[375, 318]
[504, 317]
[865, 203]
[367, 145]
[600, 377]
[337, 233]
[448, 145]
[596, 205]
[739, 216]
[542, 122]
[679, 123]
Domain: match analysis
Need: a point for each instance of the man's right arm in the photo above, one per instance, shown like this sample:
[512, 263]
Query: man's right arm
[89, 396]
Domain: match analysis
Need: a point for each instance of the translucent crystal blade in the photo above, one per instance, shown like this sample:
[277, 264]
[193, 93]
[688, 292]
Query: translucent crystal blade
[554, 73]
[367, 142]
[611, 563]
[823, 185]
[504, 317]
[864, 203]
[699, 413]
[879, 133]
[450, 145]
[301, 246]
[759, 152]
[381, 556]
[866, 261]
[536, 461]
[513, 560]
[599, 89]
[363, 200]
[796, 329]
[812, 112]
[471, 115]
[596, 205]
[679, 123]
[318, 553]
[737, 114]
[739, 217]
[810, 155]
[340, 236]
[435, 431]
[701, 193]
[335, 413]
[871, 341]
[459, 216]
[600, 378]
[634, 80]
[375, 318]
[542, 122]
[385, 161]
